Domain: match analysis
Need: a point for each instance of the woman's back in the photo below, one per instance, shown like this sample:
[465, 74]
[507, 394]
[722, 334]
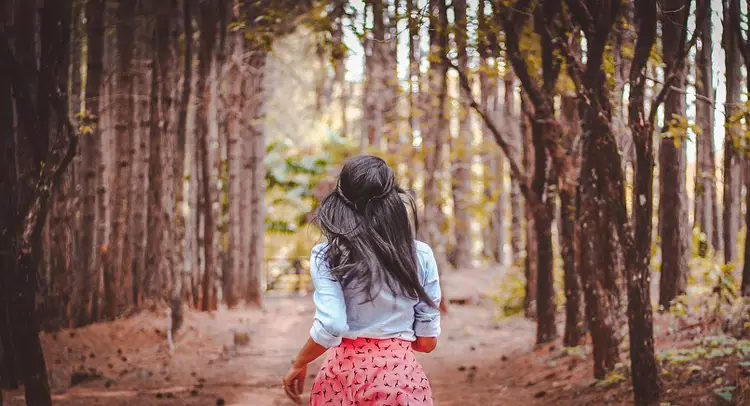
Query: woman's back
[386, 314]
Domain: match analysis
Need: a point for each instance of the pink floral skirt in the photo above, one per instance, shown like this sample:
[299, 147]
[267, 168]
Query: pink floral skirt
[371, 372]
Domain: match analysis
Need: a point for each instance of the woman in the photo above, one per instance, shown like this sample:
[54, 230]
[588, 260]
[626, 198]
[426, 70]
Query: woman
[376, 296]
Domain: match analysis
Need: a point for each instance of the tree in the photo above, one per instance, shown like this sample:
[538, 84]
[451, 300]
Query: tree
[33, 162]
[706, 216]
[91, 152]
[601, 201]
[673, 203]
[547, 154]
[743, 43]
[117, 277]
[646, 380]
[732, 185]
[208, 21]
[159, 218]
[569, 238]
[461, 146]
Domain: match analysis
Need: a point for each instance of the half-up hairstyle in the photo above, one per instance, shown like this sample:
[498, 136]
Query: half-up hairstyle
[367, 226]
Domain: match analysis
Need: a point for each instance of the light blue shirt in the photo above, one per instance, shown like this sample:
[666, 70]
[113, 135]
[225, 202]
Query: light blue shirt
[344, 313]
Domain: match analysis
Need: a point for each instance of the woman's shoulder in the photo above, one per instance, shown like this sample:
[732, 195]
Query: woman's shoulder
[423, 249]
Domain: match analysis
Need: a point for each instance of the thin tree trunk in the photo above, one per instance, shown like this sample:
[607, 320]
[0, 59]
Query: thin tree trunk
[179, 272]
[461, 150]
[234, 277]
[138, 209]
[645, 372]
[516, 198]
[532, 253]
[203, 90]
[91, 150]
[732, 185]
[569, 239]
[414, 90]
[159, 238]
[675, 231]
[117, 276]
[705, 186]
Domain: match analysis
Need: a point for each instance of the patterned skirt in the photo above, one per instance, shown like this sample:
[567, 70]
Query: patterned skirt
[371, 372]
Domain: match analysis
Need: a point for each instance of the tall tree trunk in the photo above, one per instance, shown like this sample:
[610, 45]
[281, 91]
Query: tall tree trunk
[532, 256]
[367, 131]
[732, 185]
[179, 272]
[675, 232]
[117, 278]
[234, 277]
[601, 196]
[202, 89]
[255, 155]
[461, 150]
[494, 174]
[159, 231]
[138, 208]
[624, 37]
[645, 372]
[414, 90]
[91, 155]
[574, 319]
[516, 198]
[705, 183]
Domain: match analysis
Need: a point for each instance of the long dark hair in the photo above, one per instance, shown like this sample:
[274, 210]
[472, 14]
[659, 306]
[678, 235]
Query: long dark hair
[370, 237]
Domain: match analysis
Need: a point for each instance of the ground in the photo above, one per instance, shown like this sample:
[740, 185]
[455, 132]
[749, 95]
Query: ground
[481, 359]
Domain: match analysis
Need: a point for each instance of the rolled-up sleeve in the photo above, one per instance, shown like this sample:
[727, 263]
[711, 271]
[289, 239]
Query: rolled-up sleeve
[330, 307]
[427, 318]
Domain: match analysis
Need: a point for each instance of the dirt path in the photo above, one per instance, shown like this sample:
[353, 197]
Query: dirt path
[480, 360]
[136, 367]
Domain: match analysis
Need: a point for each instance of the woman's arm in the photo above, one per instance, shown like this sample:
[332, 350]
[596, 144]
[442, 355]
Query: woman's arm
[427, 318]
[309, 353]
[328, 327]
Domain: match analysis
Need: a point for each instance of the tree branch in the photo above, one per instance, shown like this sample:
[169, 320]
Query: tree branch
[678, 67]
[515, 169]
[509, 20]
[582, 14]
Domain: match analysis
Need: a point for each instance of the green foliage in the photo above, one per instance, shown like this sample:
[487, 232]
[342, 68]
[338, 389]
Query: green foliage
[725, 392]
[290, 179]
[706, 348]
[509, 296]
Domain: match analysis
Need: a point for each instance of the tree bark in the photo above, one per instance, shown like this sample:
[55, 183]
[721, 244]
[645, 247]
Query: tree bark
[208, 20]
[117, 277]
[91, 151]
[732, 185]
[461, 149]
[647, 385]
[601, 196]
[159, 238]
[139, 208]
[574, 319]
[675, 231]
[179, 272]
[705, 182]
[532, 256]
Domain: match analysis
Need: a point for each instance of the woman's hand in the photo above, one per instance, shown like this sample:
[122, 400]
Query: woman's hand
[294, 382]
[424, 344]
